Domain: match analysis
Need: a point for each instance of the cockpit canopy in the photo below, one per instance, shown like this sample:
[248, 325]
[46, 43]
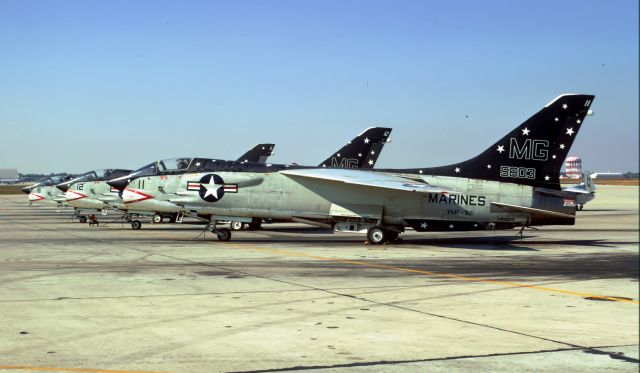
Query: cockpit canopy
[53, 180]
[95, 175]
[172, 165]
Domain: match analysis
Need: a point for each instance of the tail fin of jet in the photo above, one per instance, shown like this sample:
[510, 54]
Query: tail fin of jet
[362, 151]
[586, 186]
[258, 154]
[531, 154]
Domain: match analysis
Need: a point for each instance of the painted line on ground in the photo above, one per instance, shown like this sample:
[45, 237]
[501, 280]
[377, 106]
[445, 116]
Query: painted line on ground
[435, 274]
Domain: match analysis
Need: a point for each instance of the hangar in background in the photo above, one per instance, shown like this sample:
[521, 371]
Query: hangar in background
[9, 175]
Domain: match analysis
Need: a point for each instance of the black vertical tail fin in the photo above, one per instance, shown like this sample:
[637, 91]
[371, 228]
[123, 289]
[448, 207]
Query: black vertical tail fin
[531, 154]
[362, 151]
[258, 154]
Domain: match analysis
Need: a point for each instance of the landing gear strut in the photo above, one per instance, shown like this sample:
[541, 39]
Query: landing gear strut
[136, 224]
[223, 234]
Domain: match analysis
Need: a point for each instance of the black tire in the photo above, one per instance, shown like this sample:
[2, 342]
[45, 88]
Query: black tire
[135, 224]
[236, 225]
[82, 219]
[377, 235]
[255, 226]
[157, 219]
[223, 234]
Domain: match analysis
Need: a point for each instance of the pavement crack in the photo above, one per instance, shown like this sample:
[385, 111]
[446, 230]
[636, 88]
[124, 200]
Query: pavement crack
[595, 350]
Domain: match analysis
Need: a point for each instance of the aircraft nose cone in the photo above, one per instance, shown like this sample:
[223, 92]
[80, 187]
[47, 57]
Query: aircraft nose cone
[119, 183]
[26, 190]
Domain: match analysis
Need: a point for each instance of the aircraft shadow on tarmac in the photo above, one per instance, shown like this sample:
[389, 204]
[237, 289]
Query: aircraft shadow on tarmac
[555, 268]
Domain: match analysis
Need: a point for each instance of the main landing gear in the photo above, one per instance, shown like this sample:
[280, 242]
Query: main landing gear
[136, 224]
[223, 234]
[236, 225]
[378, 235]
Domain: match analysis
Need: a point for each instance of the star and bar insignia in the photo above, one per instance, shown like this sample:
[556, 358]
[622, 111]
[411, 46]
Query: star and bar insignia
[212, 187]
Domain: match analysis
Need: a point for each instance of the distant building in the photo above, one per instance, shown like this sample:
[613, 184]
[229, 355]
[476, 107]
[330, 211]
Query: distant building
[573, 167]
[607, 175]
[8, 175]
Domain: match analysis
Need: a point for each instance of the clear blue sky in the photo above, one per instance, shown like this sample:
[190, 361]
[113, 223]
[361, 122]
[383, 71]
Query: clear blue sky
[96, 84]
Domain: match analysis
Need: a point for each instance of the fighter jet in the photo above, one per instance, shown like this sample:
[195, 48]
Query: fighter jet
[513, 183]
[150, 187]
[583, 192]
[84, 192]
[90, 191]
[46, 193]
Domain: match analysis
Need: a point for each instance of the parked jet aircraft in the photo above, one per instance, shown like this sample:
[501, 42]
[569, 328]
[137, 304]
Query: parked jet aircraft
[84, 192]
[514, 182]
[583, 192]
[45, 192]
[91, 192]
[362, 151]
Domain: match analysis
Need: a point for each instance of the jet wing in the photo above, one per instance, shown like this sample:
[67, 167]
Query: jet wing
[504, 207]
[366, 178]
[580, 189]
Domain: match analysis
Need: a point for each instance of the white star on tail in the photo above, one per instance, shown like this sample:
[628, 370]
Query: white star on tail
[457, 170]
[578, 121]
[420, 171]
[525, 131]
[212, 188]
[570, 131]
[565, 106]
[556, 119]
[500, 149]
[488, 166]
[423, 225]
[366, 140]
[553, 156]
[546, 178]
[370, 162]
[561, 146]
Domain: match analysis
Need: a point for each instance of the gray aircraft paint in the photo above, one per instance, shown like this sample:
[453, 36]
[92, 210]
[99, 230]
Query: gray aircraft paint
[521, 193]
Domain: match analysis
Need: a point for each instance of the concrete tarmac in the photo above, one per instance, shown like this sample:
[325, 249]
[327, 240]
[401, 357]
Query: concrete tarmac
[75, 298]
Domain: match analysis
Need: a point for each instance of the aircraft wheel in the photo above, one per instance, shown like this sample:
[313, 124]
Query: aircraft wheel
[135, 224]
[255, 226]
[127, 218]
[157, 219]
[377, 235]
[223, 234]
[236, 225]
[82, 219]
[580, 207]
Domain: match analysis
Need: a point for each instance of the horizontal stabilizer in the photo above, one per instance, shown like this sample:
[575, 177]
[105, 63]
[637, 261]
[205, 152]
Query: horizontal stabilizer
[366, 178]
